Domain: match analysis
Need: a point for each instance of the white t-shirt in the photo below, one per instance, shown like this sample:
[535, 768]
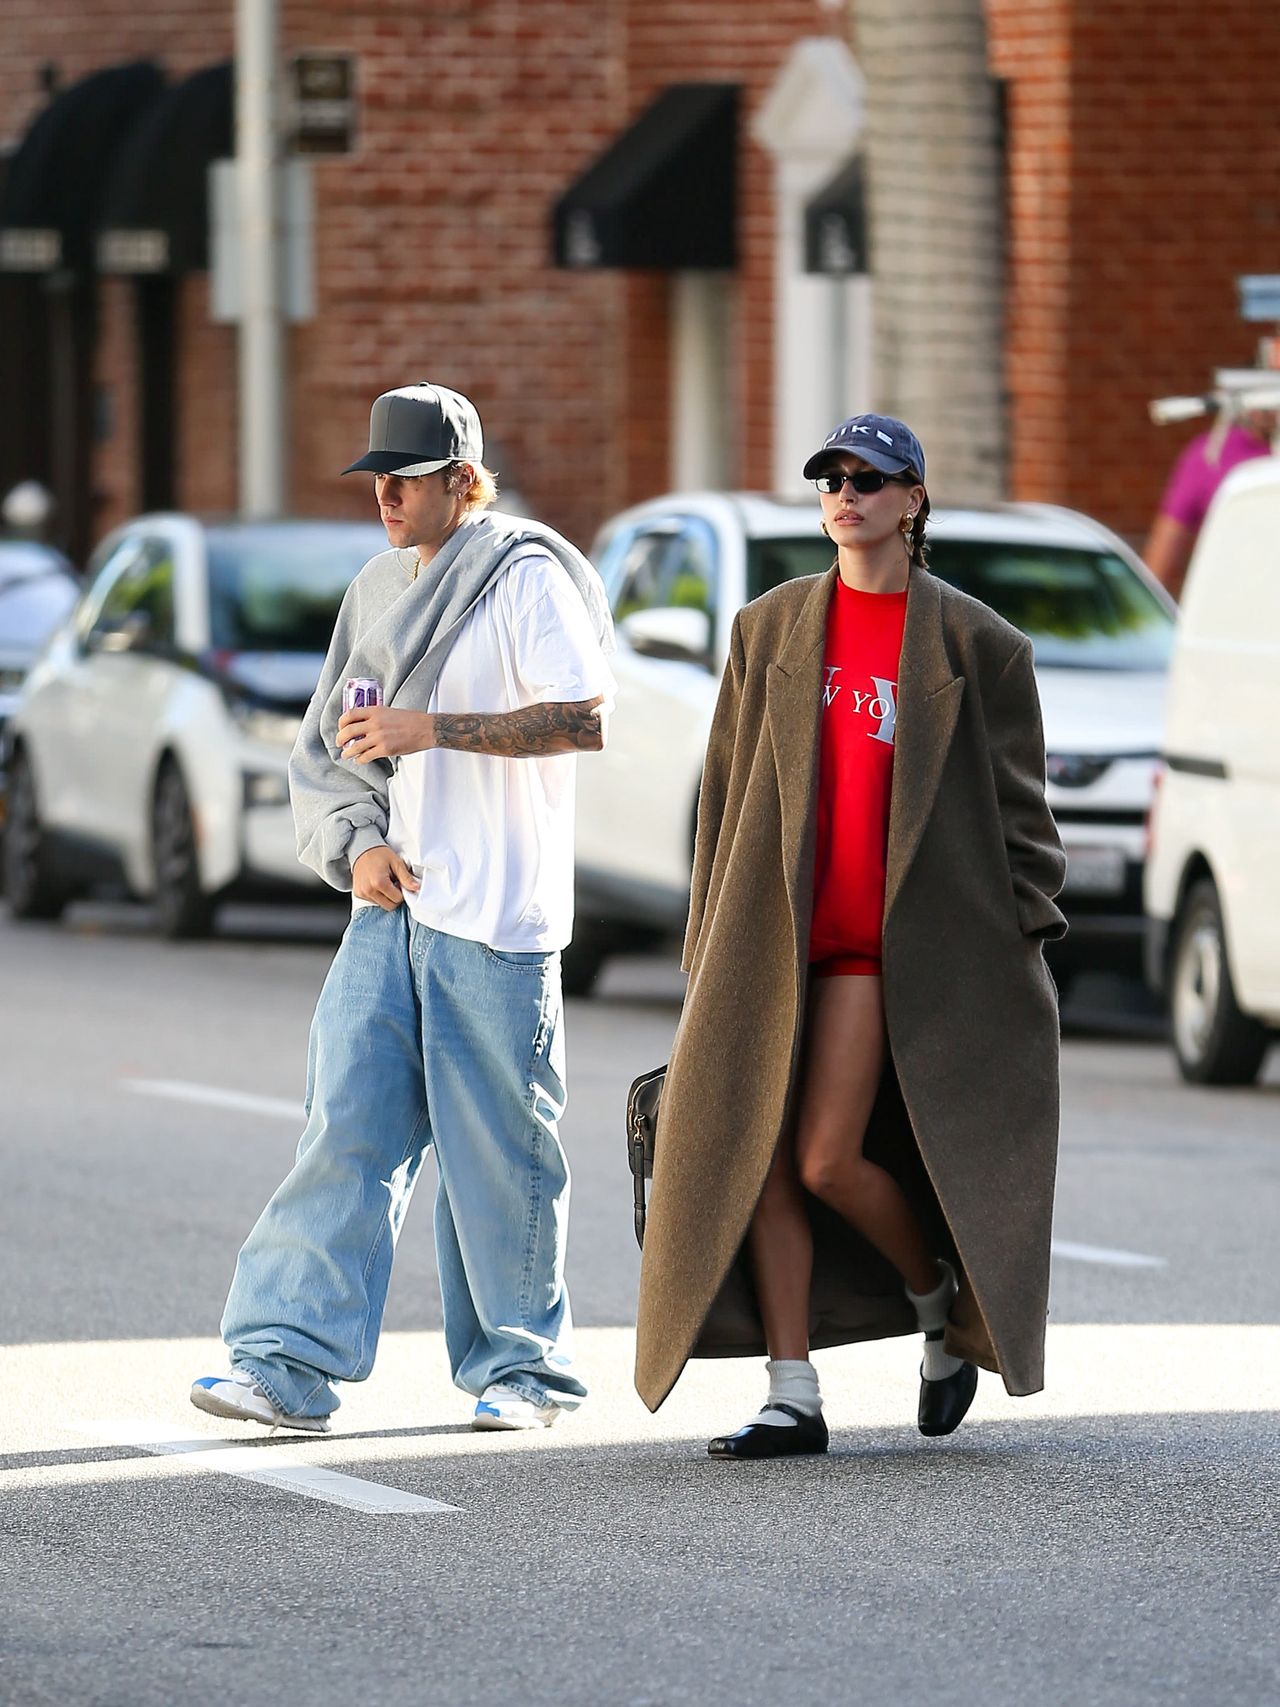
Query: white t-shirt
[491, 840]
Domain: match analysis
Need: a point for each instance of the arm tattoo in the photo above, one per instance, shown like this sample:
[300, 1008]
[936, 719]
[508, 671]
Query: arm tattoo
[533, 732]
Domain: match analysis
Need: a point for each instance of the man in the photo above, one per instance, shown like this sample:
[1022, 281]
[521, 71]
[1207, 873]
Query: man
[448, 812]
[1196, 476]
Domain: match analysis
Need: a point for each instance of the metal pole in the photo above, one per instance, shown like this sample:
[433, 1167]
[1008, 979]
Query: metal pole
[261, 347]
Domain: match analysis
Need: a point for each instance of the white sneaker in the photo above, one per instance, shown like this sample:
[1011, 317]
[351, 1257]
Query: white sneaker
[238, 1395]
[502, 1407]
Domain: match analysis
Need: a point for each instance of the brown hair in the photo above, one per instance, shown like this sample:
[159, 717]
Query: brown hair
[919, 547]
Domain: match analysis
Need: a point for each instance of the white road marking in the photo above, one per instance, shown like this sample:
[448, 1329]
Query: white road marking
[275, 1466]
[1100, 1254]
[275, 1108]
[279, 1108]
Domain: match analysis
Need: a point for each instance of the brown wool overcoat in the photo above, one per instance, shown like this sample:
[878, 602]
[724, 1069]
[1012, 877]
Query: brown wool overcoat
[967, 1118]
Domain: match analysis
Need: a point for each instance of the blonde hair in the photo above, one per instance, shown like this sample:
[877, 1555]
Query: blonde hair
[483, 488]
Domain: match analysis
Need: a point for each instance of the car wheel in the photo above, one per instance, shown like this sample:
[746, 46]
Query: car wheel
[1215, 1043]
[31, 887]
[183, 908]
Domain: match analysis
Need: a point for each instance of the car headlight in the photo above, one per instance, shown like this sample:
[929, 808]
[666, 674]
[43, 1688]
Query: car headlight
[1075, 770]
[278, 728]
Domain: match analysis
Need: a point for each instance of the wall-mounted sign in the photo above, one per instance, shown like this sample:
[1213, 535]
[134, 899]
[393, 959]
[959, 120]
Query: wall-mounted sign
[29, 249]
[1259, 296]
[130, 251]
[835, 225]
[322, 117]
[296, 201]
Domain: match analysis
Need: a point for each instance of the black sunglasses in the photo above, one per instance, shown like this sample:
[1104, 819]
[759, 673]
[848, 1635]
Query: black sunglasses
[863, 480]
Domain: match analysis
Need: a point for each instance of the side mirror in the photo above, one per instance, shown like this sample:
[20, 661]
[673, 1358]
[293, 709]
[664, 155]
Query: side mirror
[670, 631]
[126, 633]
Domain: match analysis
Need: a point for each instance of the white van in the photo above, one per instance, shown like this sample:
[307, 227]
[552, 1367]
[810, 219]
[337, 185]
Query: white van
[1212, 885]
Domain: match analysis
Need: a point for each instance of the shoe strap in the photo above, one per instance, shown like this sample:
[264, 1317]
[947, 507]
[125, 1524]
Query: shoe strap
[788, 1411]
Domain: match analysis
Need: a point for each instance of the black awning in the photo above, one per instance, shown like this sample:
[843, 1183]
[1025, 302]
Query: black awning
[155, 214]
[835, 224]
[663, 193]
[52, 197]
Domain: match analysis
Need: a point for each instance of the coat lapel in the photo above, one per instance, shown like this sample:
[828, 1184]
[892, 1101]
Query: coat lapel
[793, 705]
[929, 695]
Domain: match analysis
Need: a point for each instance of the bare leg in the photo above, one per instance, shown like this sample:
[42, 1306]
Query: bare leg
[846, 1044]
[781, 1247]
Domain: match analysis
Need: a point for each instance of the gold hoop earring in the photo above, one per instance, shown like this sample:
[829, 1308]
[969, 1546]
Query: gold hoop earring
[908, 524]
[823, 527]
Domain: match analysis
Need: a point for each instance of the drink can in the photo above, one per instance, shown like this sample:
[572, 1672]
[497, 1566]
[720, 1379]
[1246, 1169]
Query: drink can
[361, 692]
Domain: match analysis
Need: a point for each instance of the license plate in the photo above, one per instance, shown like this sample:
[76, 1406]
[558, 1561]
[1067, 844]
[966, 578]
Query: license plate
[1094, 871]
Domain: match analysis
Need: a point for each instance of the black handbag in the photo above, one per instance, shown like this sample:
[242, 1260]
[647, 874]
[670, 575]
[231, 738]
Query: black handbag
[642, 1136]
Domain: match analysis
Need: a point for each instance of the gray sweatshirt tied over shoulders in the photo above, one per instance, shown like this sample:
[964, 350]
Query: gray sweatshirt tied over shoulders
[398, 630]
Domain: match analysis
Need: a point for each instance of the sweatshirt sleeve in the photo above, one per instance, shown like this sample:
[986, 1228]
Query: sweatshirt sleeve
[340, 809]
[714, 789]
[1037, 863]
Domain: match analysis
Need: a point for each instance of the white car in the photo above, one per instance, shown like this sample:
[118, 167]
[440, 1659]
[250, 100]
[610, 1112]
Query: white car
[150, 742]
[678, 569]
[1213, 875]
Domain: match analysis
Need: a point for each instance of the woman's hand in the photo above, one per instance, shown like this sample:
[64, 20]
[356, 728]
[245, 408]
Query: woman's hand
[383, 732]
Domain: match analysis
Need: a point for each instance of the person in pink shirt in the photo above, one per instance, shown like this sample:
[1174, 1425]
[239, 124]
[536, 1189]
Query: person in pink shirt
[1196, 476]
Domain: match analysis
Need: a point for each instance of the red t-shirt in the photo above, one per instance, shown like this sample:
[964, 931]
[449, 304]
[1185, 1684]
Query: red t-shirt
[855, 771]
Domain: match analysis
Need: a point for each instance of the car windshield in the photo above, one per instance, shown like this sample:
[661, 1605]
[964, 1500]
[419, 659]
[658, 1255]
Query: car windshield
[1082, 609]
[277, 588]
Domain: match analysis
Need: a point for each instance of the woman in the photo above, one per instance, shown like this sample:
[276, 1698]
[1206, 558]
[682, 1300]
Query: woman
[859, 1123]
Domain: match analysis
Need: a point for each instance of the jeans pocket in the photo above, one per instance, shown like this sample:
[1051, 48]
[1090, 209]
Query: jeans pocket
[519, 960]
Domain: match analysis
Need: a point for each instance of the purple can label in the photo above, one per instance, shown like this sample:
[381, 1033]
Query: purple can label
[360, 693]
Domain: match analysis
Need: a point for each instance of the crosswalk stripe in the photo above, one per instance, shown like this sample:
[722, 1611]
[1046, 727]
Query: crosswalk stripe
[1101, 1254]
[275, 1108]
[265, 1462]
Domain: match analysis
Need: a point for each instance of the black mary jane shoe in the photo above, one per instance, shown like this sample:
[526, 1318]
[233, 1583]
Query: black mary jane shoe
[945, 1403]
[774, 1440]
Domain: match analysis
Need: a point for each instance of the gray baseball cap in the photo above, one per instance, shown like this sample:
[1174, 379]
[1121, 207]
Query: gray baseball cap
[886, 443]
[417, 429]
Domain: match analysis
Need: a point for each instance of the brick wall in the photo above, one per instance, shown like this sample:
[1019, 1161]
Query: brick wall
[1143, 159]
[432, 255]
[205, 405]
[1144, 173]
[432, 238]
[935, 210]
[511, 102]
[116, 482]
[671, 41]
[75, 38]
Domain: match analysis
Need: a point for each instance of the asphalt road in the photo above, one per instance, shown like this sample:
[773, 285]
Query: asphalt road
[1112, 1540]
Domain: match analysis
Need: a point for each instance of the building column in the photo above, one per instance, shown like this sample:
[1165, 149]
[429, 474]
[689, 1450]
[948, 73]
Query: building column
[935, 180]
[811, 123]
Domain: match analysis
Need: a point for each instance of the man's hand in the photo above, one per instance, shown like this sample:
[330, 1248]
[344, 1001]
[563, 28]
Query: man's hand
[381, 875]
[382, 732]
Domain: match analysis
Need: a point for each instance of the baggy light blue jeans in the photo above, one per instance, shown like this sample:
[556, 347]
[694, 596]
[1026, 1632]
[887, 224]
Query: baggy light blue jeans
[419, 1039]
